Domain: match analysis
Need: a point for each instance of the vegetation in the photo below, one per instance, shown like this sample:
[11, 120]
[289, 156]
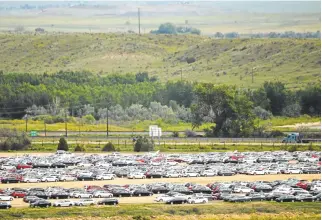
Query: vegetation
[148, 210]
[169, 28]
[286, 34]
[143, 144]
[109, 147]
[14, 140]
[62, 145]
[295, 62]
[79, 148]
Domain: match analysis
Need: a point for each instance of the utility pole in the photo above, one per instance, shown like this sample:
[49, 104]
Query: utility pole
[106, 121]
[65, 122]
[27, 122]
[139, 21]
[45, 129]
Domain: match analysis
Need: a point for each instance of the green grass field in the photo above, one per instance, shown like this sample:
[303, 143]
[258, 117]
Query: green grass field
[147, 211]
[294, 62]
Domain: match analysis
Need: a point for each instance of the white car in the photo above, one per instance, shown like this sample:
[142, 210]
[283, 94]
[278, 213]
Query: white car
[7, 167]
[31, 179]
[163, 198]
[67, 178]
[171, 163]
[257, 172]
[49, 179]
[173, 174]
[84, 202]
[196, 200]
[63, 203]
[293, 171]
[272, 171]
[84, 165]
[136, 176]
[243, 189]
[209, 173]
[105, 177]
[6, 198]
[82, 195]
[102, 194]
[192, 174]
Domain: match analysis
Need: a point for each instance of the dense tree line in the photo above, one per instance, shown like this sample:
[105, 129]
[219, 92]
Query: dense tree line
[169, 28]
[141, 97]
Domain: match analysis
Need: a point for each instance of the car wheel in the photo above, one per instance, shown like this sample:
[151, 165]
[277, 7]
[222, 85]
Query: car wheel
[57, 197]
[90, 196]
[171, 203]
[120, 195]
[182, 202]
[292, 200]
[7, 182]
[301, 200]
[64, 180]
[282, 201]
[28, 181]
[193, 202]
[46, 180]
[7, 207]
[38, 181]
[114, 203]
[70, 205]
[79, 197]
[139, 194]
[47, 206]
[112, 178]
[59, 205]
[17, 197]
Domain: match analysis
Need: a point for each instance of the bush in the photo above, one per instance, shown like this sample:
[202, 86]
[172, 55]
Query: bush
[142, 144]
[191, 60]
[109, 147]
[292, 148]
[276, 133]
[79, 148]
[262, 113]
[175, 134]
[62, 144]
[190, 133]
[15, 141]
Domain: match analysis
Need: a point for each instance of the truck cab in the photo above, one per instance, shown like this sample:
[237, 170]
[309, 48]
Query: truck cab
[292, 138]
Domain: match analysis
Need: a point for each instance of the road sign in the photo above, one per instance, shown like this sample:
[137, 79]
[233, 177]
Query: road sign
[33, 133]
[155, 131]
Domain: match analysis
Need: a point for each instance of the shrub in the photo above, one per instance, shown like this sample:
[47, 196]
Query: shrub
[142, 144]
[292, 148]
[79, 148]
[191, 60]
[109, 147]
[62, 144]
[276, 133]
[262, 113]
[15, 141]
[190, 133]
[175, 134]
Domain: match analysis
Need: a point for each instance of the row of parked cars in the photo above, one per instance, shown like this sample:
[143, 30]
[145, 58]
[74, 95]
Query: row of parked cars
[64, 166]
[290, 190]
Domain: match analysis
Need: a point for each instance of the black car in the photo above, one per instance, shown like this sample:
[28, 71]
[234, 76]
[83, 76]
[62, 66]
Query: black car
[159, 189]
[311, 171]
[40, 203]
[142, 192]
[273, 196]
[109, 201]
[39, 194]
[5, 205]
[226, 173]
[239, 199]
[10, 180]
[286, 198]
[58, 165]
[152, 175]
[85, 178]
[121, 193]
[177, 201]
[183, 191]
[200, 189]
[41, 166]
[59, 195]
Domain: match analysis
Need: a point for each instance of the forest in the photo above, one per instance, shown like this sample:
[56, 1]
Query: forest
[140, 97]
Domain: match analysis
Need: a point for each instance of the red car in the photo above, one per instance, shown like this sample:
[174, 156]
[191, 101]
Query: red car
[18, 194]
[23, 166]
[303, 184]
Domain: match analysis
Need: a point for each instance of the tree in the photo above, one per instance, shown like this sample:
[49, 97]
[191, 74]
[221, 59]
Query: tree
[109, 147]
[262, 113]
[79, 148]
[219, 35]
[310, 100]
[88, 119]
[166, 28]
[142, 77]
[62, 145]
[142, 144]
[293, 110]
[276, 93]
[230, 109]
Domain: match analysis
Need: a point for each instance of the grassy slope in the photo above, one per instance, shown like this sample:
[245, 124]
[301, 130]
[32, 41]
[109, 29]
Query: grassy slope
[148, 210]
[294, 62]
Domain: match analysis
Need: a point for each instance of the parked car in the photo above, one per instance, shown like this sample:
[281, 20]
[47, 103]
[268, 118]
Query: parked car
[110, 201]
[177, 200]
[40, 203]
[286, 198]
[5, 205]
[102, 194]
[63, 203]
[6, 198]
[196, 200]
[84, 202]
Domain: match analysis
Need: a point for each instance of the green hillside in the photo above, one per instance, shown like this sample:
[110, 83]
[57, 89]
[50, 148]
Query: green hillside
[294, 62]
